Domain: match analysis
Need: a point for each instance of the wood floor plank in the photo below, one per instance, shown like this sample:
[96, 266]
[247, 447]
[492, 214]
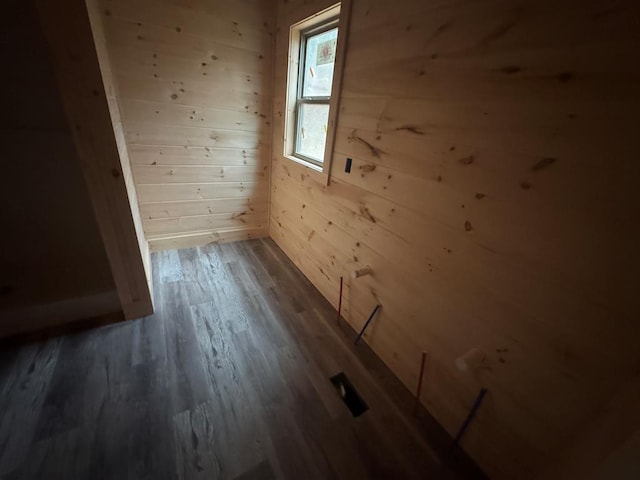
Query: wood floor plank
[60, 456]
[187, 382]
[229, 379]
[63, 407]
[23, 397]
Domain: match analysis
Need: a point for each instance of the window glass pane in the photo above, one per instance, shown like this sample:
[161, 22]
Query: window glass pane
[320, 55]
[312, 130]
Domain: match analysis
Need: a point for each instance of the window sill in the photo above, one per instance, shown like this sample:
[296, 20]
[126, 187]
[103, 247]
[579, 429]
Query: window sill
[305, 163]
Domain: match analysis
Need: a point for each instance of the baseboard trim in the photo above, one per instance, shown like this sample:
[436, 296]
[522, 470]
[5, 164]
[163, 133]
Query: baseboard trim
[55, 314]
[199, 239]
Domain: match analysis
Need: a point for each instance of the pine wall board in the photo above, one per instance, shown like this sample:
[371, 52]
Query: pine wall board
[493, 193]
[194, 85]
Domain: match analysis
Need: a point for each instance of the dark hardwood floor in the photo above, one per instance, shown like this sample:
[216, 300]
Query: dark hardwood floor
[229, 379]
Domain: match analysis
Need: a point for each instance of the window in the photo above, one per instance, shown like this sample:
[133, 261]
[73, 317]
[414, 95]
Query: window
[316, 58]
[313, 93]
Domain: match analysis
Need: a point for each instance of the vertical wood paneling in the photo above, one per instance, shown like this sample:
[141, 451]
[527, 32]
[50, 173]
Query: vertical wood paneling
[194, 82]
[494, 164]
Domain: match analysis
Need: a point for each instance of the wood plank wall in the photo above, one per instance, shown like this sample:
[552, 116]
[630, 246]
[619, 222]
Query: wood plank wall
[53, 264]
[97, 28]
[195, 81]
[607, 447]
[494, 194]
[87, 94]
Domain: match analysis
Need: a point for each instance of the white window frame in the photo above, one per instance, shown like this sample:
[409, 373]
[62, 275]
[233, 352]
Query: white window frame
[316, 29]
[312, 25]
